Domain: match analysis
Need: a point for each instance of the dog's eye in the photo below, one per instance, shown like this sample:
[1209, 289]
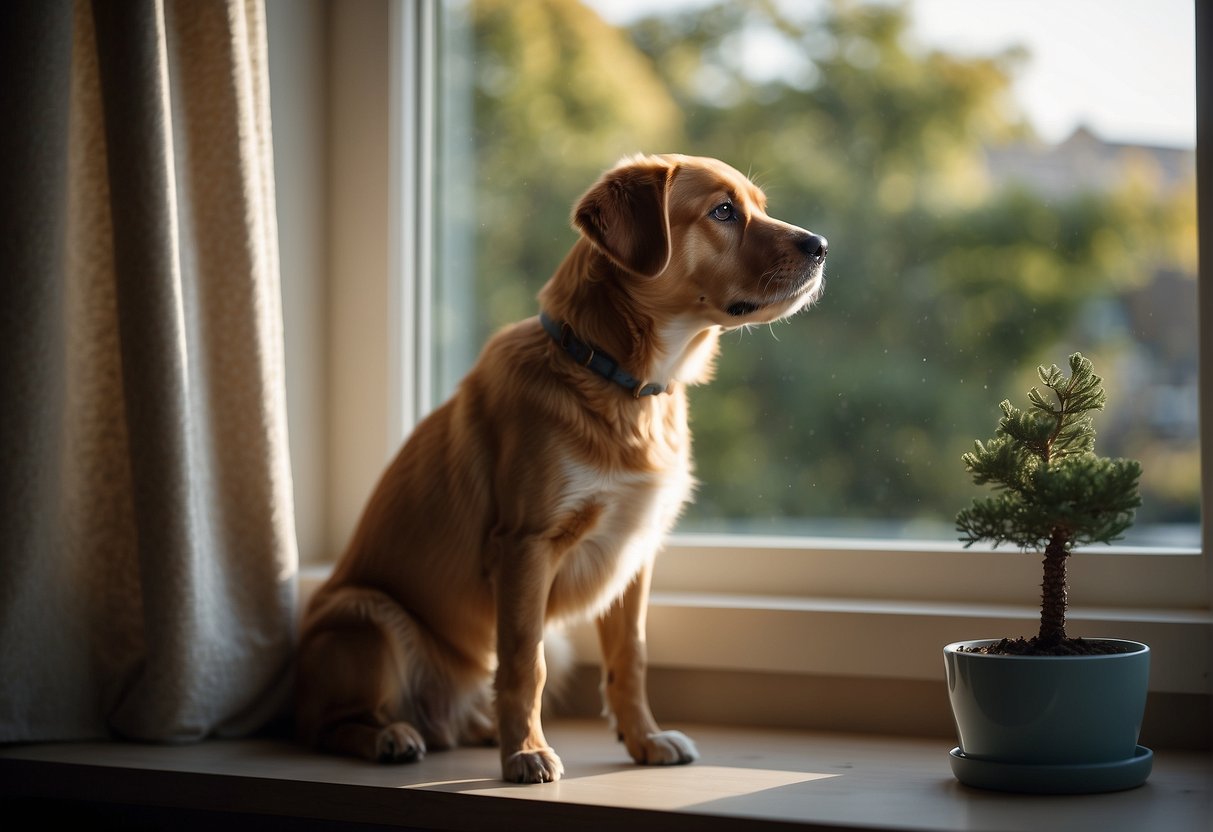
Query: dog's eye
[723, 212]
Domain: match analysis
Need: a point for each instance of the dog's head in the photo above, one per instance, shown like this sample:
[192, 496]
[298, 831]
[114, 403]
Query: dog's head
[694, 236]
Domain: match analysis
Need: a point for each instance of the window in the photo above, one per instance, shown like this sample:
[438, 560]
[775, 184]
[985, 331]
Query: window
[987, 212]
[917, 589]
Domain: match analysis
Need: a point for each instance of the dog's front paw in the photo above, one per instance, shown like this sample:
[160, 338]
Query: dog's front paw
[399, 743]
[664, 748]
[540, 766]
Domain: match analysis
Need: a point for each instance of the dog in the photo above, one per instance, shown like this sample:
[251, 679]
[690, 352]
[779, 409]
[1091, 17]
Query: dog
[542, 489]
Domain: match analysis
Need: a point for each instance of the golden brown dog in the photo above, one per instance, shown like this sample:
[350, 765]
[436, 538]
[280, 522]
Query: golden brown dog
[542, 489]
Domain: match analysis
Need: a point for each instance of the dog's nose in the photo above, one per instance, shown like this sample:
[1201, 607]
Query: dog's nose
[814, 245]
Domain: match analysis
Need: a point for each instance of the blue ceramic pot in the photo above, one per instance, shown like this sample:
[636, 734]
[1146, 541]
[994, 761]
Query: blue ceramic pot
[1054, 710]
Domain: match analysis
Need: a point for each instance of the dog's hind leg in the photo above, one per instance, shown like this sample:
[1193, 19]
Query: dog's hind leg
[353, 675]
[480, 718]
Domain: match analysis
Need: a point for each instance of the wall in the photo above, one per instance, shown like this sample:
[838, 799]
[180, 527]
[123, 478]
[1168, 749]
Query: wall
[328, 65]
[298, 87]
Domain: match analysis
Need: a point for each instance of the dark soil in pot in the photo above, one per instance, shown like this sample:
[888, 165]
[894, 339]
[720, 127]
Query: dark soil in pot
[1065, 647]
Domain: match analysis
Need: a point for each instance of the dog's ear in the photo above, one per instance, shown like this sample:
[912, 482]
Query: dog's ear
[625, 214]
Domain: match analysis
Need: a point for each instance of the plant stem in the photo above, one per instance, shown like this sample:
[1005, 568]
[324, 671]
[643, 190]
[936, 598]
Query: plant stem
[1053, 592]
[1063, 400]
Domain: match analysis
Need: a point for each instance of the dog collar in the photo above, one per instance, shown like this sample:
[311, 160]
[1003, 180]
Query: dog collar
[596, 360]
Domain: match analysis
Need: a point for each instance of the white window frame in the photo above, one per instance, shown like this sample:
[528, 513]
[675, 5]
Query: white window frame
[730, 602]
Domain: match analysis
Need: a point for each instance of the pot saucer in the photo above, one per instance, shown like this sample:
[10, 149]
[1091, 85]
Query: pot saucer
[1053, 779]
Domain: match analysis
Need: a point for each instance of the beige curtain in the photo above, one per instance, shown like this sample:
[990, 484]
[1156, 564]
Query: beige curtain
[147, 568]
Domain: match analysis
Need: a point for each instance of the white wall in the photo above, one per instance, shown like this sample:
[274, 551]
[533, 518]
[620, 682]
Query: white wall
[360, 306]
[297, 61]
[328, 65]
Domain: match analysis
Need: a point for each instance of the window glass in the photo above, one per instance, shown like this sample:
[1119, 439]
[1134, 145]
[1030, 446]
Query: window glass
[1002, 183]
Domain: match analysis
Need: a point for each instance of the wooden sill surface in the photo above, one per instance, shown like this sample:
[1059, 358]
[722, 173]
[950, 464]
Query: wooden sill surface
[746, 778]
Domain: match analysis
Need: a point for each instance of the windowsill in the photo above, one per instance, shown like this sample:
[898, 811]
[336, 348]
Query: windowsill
[876, 637]
[820, 663]
[761, 778]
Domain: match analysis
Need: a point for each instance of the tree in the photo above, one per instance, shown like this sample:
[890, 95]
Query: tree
[932, 270]
[559, 95]
[862, 138]
[1055, 493]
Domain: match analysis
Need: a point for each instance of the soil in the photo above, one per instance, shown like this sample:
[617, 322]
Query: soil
[1065, 647]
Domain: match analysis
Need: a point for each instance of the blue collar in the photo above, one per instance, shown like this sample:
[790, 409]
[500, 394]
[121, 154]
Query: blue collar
[596, 360]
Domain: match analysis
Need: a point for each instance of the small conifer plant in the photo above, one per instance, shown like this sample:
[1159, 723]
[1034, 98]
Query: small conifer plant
[1053, 493]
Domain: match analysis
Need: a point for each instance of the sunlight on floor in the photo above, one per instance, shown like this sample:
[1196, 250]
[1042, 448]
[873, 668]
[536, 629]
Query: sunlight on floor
[642, 788]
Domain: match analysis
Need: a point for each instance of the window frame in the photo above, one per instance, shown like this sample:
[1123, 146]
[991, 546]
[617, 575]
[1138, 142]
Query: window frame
[781, 590]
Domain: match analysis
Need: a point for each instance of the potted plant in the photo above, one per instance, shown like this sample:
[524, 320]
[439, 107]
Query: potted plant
[1052, 713]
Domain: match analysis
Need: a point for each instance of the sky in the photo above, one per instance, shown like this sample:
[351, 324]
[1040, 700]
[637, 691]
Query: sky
[1124, 68]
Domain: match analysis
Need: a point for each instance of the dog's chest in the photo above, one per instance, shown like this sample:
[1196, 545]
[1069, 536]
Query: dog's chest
[632, 512]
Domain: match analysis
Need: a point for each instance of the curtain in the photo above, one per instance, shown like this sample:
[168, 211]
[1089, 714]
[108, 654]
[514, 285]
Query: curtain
[147, 549]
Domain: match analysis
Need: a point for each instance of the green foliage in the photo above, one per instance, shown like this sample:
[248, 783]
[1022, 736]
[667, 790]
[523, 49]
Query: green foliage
[1051, 485]
[930, 272]
[547, 120]
[864, 139]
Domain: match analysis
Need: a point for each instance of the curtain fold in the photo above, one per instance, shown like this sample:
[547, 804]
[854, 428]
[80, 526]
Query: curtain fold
[147, 576]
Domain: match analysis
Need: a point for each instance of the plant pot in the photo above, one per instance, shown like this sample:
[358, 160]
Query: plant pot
[1049, 724]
